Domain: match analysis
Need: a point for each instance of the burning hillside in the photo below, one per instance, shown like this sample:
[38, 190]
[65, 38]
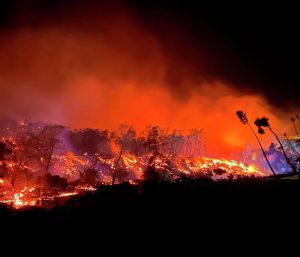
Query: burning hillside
[43, 163]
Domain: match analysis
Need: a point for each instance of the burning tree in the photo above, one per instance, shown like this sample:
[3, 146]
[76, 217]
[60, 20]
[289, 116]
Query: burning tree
[153, 143]
[194, 142]
[38, 145]
[90, 141]
[124, 139]
[163, 148]
[172, 141]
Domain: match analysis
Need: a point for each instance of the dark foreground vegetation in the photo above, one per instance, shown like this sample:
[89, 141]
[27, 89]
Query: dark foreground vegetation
[195, 203]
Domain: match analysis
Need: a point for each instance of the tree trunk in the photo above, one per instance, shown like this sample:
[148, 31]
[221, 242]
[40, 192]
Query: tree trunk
[49, 159]
[262, 149]
[170, 150]
[154, 155]
[46, 171]
[116, 166]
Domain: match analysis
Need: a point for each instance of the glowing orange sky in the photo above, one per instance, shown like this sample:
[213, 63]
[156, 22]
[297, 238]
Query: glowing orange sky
[117, 76]
[212, 108]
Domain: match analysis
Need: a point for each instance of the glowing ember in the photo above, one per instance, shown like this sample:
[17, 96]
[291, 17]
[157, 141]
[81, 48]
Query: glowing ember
[70, 166]
[216, 166]
[86, 188]
[67, 194]
[19, 200]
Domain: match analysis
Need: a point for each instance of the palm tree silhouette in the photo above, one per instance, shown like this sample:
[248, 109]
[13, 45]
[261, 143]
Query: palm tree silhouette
[264, 122]
[243, 118]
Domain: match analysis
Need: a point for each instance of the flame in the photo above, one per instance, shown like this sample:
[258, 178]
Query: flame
[131, 162]
[20, 199]
[67, 194]
[68, 174]
[24, 196]
[205, 164]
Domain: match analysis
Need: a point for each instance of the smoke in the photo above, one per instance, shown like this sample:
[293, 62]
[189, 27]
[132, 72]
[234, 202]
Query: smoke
[102, 68]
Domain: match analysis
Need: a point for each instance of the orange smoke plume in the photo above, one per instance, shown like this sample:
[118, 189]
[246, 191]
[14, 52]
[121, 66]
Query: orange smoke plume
[120, 73]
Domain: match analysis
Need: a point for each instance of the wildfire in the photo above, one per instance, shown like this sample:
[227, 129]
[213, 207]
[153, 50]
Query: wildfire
[20, 199]
[67, 194]
[219, 167]
[70, 166]
[67, 165]
[36, 171]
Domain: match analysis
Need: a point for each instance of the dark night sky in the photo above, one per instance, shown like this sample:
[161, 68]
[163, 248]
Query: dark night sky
[251, 45]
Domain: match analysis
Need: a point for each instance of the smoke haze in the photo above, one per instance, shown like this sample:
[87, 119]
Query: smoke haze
[101, 65]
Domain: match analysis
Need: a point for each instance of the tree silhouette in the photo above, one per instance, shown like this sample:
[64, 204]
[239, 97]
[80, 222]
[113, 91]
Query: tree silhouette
[6, 154]
[39, 145]
[125, 139]
[264, 122]
[153, 142]
[243, 118]
[90, 141]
